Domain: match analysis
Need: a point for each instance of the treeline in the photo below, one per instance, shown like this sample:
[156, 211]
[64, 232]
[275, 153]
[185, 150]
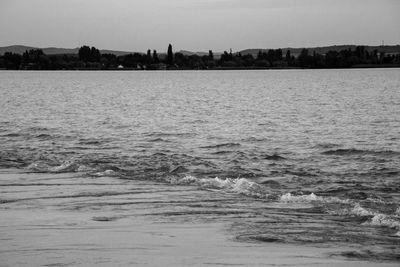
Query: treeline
[90, 58]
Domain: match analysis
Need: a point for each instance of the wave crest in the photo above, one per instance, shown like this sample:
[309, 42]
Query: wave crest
[238, 185]
[289, 198]
[384, 220]
[66, 166]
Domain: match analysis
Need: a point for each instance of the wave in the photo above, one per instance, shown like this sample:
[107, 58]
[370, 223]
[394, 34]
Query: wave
[222, 152]
[11, 135]
[288, 197]
[312, 197]
[249, 188]
[330, 204]
[11, 162]
[274, 157]
[179, 169]
[369, 217]
[373, 218]
[94, 141]
[369, 255]
[222, 145]
[384, 220]
[355, 210]
[44, 136]
[159, 139]
[106, 218]
[326, 145]
[66, 166]
[166, 134]
[239, 185]
[108, 173]
[254, 139]
[353, 151]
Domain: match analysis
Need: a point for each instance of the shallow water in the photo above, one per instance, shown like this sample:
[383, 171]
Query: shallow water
[304, 157]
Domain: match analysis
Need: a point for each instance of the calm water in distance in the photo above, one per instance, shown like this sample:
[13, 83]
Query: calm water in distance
[323, 142]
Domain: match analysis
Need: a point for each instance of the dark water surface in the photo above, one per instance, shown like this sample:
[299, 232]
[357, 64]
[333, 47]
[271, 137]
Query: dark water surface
[308, 157]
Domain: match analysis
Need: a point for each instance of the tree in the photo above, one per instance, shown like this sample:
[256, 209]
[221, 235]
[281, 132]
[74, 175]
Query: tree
[84, 53]
[226, 57]
[259, 55]
[180, 60]
[149, 58]
[304, 58]
[288, 57]
[12, 61]
[94, 54]
[155, 57]
[170, 55]
[210, 55]
[271, 56]
[278, 54]
[248, 60]
[88, 54]
[331, 59]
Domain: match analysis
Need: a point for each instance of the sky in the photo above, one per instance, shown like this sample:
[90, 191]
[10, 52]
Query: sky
[198, 25]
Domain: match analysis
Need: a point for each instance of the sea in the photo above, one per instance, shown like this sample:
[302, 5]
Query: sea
[303, 157]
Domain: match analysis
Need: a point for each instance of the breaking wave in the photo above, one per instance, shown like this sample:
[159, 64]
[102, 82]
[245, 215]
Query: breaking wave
[67, 166]
[288, 197]
[384, 220]
[239, 185]
[373, 218]
[176, 173]
[304, 198]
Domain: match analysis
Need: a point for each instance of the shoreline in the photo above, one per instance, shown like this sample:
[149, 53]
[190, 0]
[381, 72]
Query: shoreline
[65, 219]
[215, 69]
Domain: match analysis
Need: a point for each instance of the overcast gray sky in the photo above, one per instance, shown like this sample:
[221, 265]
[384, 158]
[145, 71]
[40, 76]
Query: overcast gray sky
[198, 25]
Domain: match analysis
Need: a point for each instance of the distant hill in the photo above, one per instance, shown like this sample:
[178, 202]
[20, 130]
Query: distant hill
[324, 49]
[20, 49]
[115, 52]
[190, 53]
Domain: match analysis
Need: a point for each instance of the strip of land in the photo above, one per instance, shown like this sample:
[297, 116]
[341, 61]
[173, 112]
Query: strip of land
[91, 58]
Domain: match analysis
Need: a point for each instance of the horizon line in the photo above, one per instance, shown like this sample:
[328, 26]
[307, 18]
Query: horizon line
[204, 51]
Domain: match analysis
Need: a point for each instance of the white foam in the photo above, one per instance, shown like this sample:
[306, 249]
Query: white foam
[105, 173]
[244, 186]
[239, 185]
[84, 168]
[376, 200]
[187, 180]
[38, 166]
[288, 197]
[356, 210]
[384, 220]
[360, 211]
[66, 166]
[397, 212]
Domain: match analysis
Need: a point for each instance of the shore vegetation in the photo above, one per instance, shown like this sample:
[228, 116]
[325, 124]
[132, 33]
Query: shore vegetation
[90, 58]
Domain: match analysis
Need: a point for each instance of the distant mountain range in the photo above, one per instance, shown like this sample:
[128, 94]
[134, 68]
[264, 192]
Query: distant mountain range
[20, 49]
[395, 49]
